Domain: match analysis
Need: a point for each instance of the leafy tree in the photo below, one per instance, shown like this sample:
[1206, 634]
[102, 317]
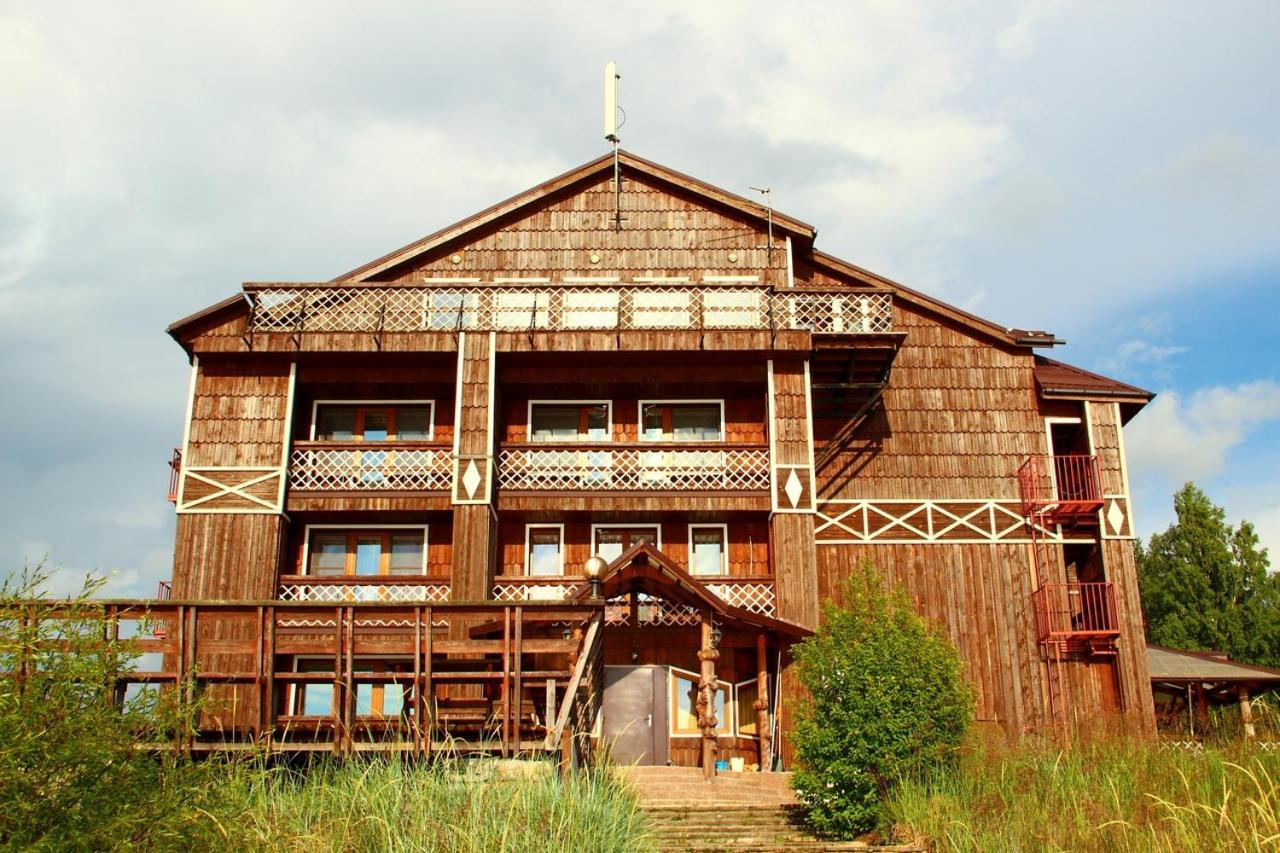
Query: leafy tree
[888, 699]
[1206, 586]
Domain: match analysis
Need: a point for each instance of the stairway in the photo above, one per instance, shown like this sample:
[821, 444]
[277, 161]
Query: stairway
[734, 812]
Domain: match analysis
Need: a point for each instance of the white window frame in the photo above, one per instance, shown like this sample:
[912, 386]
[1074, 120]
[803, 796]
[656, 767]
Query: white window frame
[373, 404]
[736, 704]
[730, 703]
[528, 420]
[657, 528]
[724, 555]
[528, 550]
[306, 544]
[704, 402]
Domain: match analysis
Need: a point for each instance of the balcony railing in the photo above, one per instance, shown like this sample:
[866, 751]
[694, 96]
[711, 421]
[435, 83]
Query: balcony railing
[571, 308]
[1060, 485]
[175, 471]
[405, 588]
[1075, 611]
[755, 594]
[370, 467]
[626, 467]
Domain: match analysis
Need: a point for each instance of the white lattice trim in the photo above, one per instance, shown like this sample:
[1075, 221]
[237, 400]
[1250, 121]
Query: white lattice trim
[756, 597]
[600, 469]
[561, 308]
[382, 469]
[333, 592]
[906, 521]
[550, 590]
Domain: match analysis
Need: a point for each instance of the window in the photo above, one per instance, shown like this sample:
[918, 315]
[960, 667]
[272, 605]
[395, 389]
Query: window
[684, 705]
[614, 541]
[569, 421]
[372, 700]
[708, 549]
[337, 553]
[373, 421]
[695, 420]
[545, 550]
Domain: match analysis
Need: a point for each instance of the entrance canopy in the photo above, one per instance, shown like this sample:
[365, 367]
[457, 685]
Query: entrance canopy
[643, 570]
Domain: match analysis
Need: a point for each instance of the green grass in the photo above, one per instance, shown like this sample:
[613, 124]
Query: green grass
[1105, 795]
[389, 805]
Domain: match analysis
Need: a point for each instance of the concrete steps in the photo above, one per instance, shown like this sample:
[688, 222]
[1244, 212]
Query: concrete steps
[733, 811]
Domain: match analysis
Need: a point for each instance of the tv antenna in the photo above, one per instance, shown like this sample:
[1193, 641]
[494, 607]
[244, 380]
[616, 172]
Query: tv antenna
[767, 192]
[611, 128]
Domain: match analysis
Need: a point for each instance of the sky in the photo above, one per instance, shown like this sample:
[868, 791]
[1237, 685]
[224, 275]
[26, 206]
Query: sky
[1107, 171]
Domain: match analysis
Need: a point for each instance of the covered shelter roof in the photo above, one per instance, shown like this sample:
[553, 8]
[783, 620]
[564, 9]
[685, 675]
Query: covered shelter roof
[1175, 668]
[645, 569]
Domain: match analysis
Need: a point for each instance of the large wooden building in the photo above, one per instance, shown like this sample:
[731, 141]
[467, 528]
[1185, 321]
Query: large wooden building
[391, 484]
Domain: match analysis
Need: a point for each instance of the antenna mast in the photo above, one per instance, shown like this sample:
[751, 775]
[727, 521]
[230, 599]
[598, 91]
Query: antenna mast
[767, 192]
[611, 126]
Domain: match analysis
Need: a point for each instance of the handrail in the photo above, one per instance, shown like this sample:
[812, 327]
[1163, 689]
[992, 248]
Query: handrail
[1064, 481]
[366, 580]
[175, 471]
[318, 444]
[575, 681]
[649, 446]
[1075, 610]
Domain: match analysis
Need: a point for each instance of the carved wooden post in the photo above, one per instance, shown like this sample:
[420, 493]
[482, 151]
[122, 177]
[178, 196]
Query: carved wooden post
[762, 703]
[1246, 712]
[706, 697]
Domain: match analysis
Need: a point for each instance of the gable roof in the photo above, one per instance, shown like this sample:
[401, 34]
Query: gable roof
[643, 568]
[599, 166]
[1062, 381]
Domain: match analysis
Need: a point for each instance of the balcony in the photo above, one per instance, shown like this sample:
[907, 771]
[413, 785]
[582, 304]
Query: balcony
[357, 588]
[613, 307]
[753, 594]
[1077, 616]
[403, 466]
[175, 472]
[634, 467]
[1060, 489]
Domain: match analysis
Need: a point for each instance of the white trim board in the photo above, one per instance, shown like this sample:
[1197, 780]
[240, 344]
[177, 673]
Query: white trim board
[724, 555]
[528, 551]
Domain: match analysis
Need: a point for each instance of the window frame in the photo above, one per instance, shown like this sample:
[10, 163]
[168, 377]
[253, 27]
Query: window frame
[709, 401]
[528, 548]
[655, 526]
[363, 405]
[353, 531]
[725, 727]
[724, 554]
[737, 707]
[608, 430]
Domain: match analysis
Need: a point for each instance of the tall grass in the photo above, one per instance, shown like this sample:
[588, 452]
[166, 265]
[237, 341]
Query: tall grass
[474, 805]
[1107, 795]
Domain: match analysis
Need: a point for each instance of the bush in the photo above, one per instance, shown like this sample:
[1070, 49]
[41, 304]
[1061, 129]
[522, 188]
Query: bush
[70, 775]
[888, 700]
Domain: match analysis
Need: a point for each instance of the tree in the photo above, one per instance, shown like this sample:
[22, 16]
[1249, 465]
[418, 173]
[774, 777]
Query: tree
[888, 699]
[1206, 586]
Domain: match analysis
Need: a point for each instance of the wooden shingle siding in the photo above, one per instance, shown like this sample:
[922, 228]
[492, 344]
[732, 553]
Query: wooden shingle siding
[238, 416]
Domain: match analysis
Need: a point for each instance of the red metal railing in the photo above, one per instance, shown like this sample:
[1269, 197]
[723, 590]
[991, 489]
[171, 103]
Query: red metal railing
[165, 590]
[1063, 485]
[1075, 611]
[175, 469]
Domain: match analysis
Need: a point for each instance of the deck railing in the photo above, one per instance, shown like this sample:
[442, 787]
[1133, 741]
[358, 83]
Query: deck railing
[1064, 485]
[370, 466]
[569, 308]
[1075, 611]
[405, 588]
[457, 671]
[633, 467]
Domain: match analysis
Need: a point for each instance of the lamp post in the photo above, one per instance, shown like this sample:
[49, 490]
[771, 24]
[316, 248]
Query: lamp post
[593, 570]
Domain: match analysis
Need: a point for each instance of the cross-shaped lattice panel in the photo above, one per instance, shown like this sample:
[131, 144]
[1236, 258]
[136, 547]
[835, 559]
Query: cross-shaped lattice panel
[365, 469]
[660, 470]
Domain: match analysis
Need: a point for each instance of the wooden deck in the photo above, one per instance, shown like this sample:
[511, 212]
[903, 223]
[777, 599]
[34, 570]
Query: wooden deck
[493, 677]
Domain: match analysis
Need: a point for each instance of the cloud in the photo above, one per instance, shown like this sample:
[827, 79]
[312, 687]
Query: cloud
[1179, 438]
[1139, 353]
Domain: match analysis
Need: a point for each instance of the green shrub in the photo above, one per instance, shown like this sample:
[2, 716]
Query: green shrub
[888, 699]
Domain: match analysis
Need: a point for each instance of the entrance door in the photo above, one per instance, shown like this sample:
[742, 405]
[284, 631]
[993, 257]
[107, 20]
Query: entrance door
[635, 713]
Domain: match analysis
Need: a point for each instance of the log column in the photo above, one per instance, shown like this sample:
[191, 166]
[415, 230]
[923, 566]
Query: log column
[762, 703]
[707, 685]
[474, 520]
[1246, 712]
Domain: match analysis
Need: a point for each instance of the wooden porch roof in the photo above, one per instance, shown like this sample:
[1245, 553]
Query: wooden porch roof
[1178, 667]
[645, 569]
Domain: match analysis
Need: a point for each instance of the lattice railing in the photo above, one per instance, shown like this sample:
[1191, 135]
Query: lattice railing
[567, 308]
[319, 590]
[361, 467]
[597, 467]
[756, 596]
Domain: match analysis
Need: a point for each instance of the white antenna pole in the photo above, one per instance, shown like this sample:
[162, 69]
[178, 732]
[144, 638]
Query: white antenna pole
[611, 78]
